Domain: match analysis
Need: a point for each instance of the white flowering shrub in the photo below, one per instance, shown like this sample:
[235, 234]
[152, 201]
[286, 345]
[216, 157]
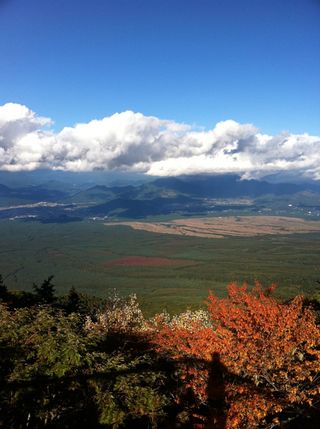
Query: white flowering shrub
[189, 320]
[120, 315]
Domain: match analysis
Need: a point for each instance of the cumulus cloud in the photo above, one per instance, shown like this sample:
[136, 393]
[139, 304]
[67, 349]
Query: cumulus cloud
[134, 142]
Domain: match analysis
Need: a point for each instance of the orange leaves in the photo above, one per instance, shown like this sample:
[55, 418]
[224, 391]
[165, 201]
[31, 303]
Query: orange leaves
[261, 326]
[270, 352]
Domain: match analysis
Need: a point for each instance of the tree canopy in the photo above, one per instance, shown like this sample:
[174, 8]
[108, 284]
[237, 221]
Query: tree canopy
[246, 361]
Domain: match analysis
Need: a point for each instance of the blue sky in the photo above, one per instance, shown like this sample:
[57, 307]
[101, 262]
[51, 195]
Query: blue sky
[191, 61]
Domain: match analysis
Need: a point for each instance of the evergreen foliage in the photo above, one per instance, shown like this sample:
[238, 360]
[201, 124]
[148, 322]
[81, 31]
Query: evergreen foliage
[57, 373]
[3, 290]
[73, 301]
[45, 292]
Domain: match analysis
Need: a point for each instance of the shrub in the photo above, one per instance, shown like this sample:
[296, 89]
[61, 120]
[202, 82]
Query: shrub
[55, 372]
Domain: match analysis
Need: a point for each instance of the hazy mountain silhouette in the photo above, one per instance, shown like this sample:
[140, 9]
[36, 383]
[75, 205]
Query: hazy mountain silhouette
[184, 195]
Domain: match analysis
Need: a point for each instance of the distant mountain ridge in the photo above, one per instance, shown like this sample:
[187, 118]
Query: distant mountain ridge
[225, 186]
[184, 195]
[31, 193]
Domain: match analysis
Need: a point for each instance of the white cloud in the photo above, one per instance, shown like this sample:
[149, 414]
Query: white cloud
[134, 142]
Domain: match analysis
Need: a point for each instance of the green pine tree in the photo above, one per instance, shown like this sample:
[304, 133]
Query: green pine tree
[45, 292]
[73, 301]
[3, 290]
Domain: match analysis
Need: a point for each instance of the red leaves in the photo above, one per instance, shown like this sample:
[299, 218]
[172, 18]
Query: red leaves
[271, 352]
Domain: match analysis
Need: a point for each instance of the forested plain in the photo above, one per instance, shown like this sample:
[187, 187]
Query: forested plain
[82, 254]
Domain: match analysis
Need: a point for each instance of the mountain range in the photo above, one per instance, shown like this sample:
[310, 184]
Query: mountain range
[58, 201]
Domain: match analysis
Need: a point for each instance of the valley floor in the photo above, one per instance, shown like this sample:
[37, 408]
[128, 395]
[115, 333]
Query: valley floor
[166, 270]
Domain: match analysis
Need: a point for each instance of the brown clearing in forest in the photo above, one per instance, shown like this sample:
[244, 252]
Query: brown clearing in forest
[148, 261]
[219, 227]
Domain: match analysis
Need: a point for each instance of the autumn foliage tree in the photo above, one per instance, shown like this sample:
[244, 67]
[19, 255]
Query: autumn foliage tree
[269, 352]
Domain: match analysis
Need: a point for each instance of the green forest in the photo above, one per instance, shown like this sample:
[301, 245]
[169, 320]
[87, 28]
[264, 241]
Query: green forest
[82, 254]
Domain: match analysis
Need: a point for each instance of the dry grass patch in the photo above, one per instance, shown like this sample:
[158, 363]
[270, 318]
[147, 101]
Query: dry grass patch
[219, 227]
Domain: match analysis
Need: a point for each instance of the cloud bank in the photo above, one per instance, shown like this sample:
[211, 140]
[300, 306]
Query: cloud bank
[130, 141]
